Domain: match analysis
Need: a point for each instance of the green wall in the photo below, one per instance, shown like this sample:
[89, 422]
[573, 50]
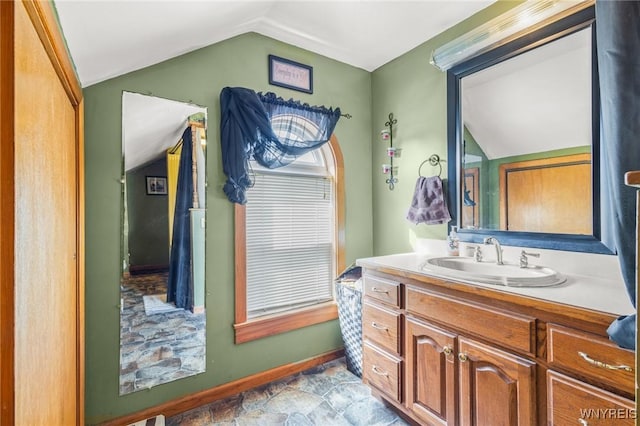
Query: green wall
[199, 77]
[416, 93]
[148, 217]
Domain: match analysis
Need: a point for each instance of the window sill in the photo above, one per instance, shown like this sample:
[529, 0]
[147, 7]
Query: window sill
[276, 324]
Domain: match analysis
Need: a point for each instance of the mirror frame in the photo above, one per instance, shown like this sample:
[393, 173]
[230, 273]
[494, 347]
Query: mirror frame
[545, 34]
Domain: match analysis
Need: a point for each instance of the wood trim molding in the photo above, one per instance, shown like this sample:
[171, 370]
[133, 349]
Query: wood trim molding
[147, 269]
[276, 324]
[80, 262]
[7, 213]
[241, 263]
[632, 179]
[208, 396]
[46, 25]
[340, 204]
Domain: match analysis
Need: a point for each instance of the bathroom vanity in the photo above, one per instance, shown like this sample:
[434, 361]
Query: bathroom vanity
[447, 352]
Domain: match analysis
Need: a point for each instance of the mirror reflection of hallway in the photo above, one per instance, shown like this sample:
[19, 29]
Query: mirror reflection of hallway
[162, 320]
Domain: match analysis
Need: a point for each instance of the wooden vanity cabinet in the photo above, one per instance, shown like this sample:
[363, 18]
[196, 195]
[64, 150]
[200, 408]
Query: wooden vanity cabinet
[430, 372]
[448, 354]
[382, 329]
[593, 360]
[590, 356]
[573, 402]
[382, 371]
[453, 380]
[496, 387]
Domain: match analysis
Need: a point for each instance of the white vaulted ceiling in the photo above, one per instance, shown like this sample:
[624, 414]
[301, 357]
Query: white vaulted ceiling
[108, 38]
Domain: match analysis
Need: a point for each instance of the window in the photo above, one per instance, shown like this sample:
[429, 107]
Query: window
[289, 243]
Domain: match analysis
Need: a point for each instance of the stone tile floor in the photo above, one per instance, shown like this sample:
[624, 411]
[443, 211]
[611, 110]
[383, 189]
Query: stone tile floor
[157, 348]
[326, 395]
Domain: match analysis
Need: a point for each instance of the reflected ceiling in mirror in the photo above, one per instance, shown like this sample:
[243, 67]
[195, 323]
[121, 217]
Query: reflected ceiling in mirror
[162, 320]
[527, 141]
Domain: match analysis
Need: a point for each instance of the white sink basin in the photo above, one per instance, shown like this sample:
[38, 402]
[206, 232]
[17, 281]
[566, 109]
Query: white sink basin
[509, 274]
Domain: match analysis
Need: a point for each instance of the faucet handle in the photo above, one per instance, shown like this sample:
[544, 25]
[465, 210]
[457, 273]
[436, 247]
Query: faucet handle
[477, 254]
[524, 260]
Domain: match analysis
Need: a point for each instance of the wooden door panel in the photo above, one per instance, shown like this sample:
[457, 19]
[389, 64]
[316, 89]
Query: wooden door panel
[549, 195]
[498, 393]
[496, 388]
[46, 290]
[471, 213]
[430, 372]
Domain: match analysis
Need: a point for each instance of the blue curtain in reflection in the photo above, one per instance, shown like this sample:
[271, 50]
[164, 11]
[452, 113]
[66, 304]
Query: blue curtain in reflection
[618, 45]
[246, 133]
[180, 282]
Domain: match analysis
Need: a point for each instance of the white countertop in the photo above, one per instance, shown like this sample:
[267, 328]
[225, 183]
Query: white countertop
[599, 294]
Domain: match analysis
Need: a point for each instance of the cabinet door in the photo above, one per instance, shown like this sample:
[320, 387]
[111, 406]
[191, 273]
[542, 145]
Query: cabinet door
[430, 372]
[496, 388]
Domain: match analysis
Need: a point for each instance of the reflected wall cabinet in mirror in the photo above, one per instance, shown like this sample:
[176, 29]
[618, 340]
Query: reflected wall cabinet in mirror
[523, 126]
[162, 318]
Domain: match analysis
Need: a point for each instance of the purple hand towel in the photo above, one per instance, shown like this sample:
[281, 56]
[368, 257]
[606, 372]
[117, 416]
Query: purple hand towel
[428, 204]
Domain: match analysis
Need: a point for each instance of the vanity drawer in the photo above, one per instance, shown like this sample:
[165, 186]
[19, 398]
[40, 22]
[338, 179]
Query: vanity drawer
[382, 371]
[506, 328]
[382, 327]
[591, 356]
[385, 291]
[572, 402]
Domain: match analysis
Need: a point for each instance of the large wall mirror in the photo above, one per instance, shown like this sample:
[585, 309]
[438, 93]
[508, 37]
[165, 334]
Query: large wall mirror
[524, 130]
[162, 318]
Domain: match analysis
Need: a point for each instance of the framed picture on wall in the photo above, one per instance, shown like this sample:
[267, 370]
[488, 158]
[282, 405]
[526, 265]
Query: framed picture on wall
[156, 185]
[290, 74]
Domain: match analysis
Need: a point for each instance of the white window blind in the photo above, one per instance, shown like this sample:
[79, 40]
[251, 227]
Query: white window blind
[289, 237]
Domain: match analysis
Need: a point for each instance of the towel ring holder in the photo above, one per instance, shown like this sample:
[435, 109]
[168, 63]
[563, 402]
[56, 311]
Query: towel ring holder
[434, 160]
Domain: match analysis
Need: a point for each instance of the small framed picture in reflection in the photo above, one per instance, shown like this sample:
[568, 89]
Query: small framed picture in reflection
[156, 185]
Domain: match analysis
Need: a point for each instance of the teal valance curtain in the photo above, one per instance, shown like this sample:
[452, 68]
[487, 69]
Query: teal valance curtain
[618, 46]
[246, 133]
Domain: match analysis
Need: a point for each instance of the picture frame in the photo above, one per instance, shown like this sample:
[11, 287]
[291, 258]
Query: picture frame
[156, 185]
[290, 74]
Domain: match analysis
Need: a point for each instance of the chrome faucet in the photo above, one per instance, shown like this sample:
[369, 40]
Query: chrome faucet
[496, 244]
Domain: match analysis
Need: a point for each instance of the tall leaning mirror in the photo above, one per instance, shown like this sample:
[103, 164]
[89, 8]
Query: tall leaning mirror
[524, 128]
[162, 317]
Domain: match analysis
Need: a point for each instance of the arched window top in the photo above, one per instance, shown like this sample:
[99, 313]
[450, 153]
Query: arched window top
[296, 127]
[247, 131]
